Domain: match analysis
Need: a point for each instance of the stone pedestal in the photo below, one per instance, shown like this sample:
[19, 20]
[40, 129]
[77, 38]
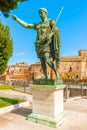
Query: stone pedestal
[47, 104]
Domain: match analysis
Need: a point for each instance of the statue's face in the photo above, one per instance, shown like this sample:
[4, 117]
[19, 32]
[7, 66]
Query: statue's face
[42, 14]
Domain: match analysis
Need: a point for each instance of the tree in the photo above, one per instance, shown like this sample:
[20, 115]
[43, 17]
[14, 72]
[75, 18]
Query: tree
[7, 5]
[6, 46]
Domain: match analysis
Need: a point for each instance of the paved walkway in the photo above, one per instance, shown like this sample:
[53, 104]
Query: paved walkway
[76, 118]
[16, 94]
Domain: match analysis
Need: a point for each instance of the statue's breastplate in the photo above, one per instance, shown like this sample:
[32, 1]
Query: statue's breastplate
[43, 29]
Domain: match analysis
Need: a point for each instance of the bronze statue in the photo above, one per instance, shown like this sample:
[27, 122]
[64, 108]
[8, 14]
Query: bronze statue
[47, 42]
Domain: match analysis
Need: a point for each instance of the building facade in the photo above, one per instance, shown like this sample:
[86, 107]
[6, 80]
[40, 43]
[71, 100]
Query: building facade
[74, 67]
[17, 72]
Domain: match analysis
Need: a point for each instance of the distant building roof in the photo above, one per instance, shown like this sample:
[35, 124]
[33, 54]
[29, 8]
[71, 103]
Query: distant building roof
[71, 58]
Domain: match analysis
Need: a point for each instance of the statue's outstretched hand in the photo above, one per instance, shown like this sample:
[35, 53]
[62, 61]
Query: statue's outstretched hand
[14, 17]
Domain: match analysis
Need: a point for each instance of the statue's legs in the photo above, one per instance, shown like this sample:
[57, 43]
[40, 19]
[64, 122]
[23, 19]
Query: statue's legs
[51, 64]
[44, 67]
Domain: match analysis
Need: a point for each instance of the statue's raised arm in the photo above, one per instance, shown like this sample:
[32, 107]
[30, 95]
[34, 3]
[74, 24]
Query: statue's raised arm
[24, 24]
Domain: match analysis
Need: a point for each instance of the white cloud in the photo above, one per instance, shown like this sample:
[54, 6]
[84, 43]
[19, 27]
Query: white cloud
[19, 54]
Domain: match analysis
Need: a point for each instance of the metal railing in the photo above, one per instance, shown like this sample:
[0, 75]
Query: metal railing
[75, 89]
[71, 90]
[22, 86]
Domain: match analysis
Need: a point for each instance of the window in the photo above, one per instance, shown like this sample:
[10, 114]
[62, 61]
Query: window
[77, 76]
[70, 69]
[67, 76]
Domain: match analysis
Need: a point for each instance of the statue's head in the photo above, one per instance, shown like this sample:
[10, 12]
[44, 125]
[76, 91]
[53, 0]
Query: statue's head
[43, 12]
[43, 9]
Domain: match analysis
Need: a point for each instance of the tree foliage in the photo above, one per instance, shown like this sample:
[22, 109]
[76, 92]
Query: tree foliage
[7, 5]
[6, 46]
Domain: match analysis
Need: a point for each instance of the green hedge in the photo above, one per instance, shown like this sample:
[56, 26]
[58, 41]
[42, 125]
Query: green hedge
[9, 101]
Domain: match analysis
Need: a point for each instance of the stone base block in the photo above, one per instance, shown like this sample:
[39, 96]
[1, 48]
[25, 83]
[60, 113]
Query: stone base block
[45, 120]
[47, 108]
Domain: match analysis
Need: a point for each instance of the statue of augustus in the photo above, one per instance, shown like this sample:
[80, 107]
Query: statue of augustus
[47, 42]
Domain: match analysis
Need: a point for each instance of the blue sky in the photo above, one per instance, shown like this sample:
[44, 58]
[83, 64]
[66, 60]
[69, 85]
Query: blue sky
[72, 25]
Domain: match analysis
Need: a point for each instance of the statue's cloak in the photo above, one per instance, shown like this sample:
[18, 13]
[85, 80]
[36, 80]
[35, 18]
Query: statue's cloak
[55, 46]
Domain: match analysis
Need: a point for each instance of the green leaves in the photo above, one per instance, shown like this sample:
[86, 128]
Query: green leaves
[6, 46]
[7, 5]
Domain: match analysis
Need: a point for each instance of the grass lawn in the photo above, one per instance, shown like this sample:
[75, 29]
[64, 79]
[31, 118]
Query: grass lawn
[3, 87]
[9, 101]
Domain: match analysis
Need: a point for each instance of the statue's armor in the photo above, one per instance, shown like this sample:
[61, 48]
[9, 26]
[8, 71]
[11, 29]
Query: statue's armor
[43, 30]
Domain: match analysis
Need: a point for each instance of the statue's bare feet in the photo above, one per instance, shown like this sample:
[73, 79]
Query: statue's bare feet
[44, 77]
